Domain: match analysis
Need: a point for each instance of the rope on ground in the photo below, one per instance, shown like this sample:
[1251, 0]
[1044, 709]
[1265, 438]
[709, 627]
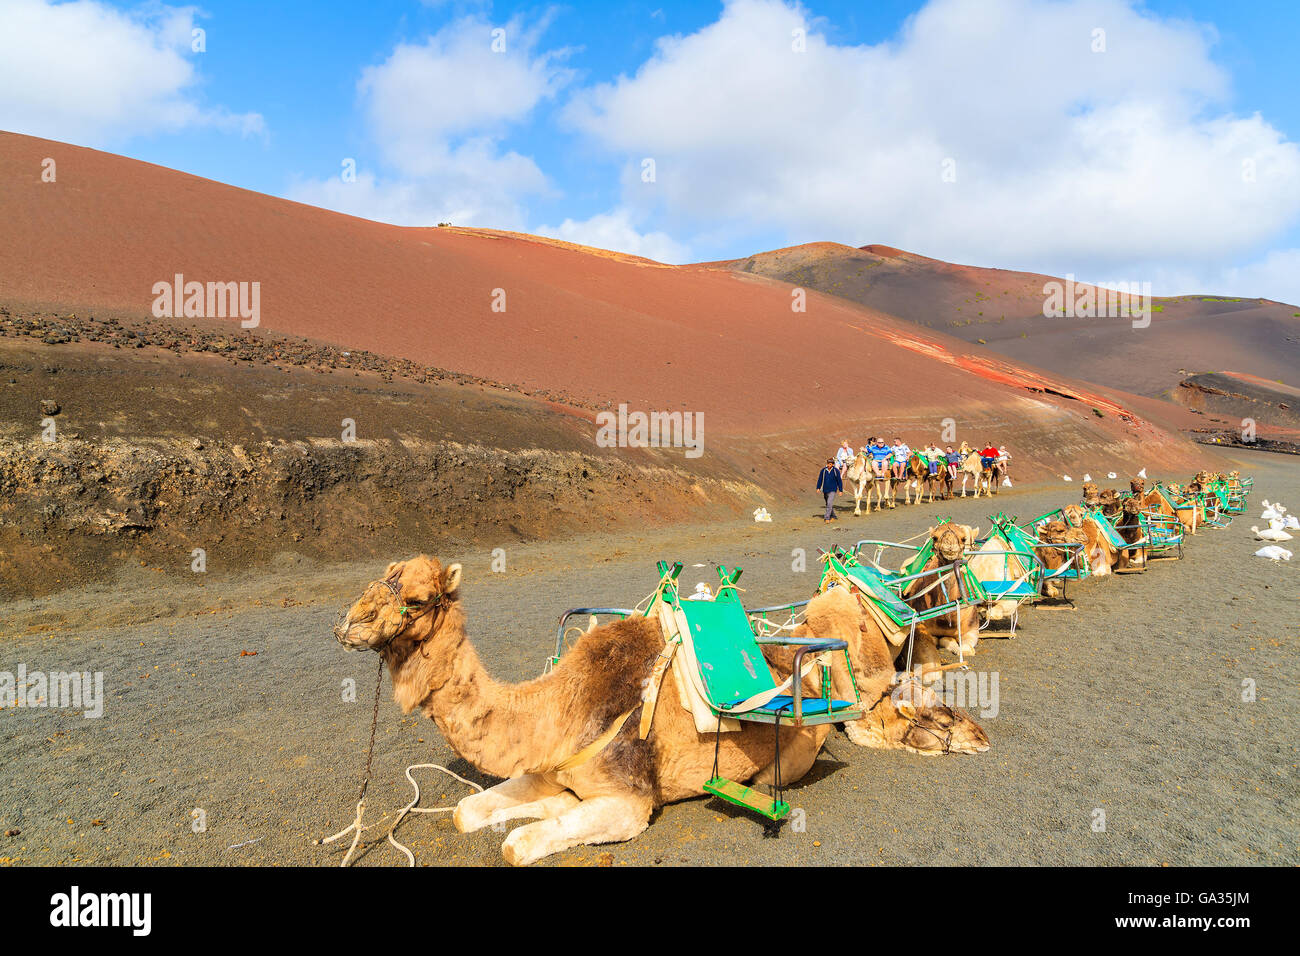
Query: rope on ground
[356, 829]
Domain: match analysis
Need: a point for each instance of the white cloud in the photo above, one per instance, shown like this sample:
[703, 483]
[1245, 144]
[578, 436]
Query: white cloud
[438, 112]
[1066, 160]
[1276, 276]
[88, 73]
[615, 230]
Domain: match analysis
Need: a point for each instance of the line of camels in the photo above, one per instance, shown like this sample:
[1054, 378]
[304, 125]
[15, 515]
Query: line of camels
[883, 489]
[570, 764]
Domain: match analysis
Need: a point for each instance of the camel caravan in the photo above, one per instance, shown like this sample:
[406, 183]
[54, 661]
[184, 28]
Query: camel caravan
[923, 473]
[693, 694]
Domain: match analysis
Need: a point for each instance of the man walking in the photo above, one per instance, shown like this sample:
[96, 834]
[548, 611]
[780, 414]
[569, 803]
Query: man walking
[829, 484]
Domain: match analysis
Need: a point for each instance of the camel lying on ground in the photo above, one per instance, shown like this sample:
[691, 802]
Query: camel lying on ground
[1059, 532]
[525, 732]
[902, 715]
[1100, 554]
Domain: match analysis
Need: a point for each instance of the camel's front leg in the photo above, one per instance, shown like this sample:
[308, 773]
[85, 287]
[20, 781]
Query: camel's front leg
[598, 820]
[531, 790]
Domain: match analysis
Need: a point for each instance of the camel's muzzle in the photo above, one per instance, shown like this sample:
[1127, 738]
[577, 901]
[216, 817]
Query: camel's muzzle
[341, 630]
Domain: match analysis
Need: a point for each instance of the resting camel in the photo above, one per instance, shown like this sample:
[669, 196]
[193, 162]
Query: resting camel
[1100, 554]
[1091, 494]
[525, 732]
[1157, 501]
[1129, 526]
[906, 715]
[950, 541]
[1059, 532]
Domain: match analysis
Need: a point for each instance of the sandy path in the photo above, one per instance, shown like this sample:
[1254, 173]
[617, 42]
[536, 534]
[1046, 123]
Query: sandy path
[1131, 704]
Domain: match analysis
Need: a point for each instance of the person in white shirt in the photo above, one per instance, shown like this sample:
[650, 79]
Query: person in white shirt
[843, 455]
[901, 453]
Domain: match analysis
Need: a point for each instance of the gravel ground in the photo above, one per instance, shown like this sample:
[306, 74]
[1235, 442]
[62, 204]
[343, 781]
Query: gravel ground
[229, 699]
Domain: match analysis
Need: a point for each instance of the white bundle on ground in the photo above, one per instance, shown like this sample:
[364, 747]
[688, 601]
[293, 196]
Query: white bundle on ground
[1273, 533]
[1006, 482]
[1274, 552]
[761, 514]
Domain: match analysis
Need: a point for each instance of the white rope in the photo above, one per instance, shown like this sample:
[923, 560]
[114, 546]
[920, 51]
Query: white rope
[356, 829]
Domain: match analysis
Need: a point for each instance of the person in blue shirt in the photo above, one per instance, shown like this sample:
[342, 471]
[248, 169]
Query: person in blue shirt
[879, 453]
[954, 459]
[829, 484]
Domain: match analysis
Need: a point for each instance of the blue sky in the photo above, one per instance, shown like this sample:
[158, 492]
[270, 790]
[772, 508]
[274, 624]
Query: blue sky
[1005, 133]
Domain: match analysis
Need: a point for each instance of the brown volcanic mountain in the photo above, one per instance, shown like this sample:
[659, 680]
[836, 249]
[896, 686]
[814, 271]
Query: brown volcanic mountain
[472, 424]
[600, 327]
[1187, 335]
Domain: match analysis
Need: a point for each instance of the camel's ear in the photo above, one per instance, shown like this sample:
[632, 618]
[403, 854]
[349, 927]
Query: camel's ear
[972, 534]
[931, 531]
[906, 708]
[451, 579]
[394, 567]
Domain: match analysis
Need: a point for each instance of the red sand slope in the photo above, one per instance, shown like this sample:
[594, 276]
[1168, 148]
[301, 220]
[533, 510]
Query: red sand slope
[1189, 334]
[602, 326]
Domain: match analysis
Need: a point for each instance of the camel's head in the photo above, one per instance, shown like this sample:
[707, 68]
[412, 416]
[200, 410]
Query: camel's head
[1073, 516]
[951, 539]
[401, 607]
[1090, 493]
[913, 717]
[1137, 486]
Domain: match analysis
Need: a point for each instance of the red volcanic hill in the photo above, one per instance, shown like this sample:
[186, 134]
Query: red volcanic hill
[777, 387]
[1187, 334]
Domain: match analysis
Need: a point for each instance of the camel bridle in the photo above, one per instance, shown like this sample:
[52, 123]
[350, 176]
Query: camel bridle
[945, 740]
[408, 613]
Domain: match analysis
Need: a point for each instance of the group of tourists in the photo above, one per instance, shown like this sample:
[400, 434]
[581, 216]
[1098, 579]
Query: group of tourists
[890, 461]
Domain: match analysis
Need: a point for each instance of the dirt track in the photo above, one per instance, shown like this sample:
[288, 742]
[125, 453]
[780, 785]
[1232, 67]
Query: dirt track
[1131, 704]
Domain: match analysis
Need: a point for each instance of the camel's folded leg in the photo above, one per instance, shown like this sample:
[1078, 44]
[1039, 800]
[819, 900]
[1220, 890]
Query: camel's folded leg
[598, 820]
[481, 809]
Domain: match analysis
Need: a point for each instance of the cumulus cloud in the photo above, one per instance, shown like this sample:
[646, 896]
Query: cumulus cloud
[616, 230]
[437, 112]
[1084, 136]
[88, 73]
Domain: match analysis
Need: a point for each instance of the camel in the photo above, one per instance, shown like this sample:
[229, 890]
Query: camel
[1099, 553]
[899, 714]
[1091, 494]
[951, 540]
[527, 732]
[1129, 526]
[991, 476]
[971, 468]
[1187, 514]
[867, 484]
[860, 476]
[1059, 532]
[918, 473]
